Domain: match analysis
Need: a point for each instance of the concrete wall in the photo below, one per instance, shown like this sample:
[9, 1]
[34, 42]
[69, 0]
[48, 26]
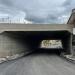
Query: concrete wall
[11, 44]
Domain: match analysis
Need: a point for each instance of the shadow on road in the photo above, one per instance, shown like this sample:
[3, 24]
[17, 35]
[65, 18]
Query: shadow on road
[46, 52]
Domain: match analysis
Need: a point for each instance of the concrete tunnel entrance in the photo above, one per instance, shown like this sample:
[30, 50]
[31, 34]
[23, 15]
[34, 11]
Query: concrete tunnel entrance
[31, 40]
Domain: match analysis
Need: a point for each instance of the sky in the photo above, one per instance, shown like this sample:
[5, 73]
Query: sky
[37, 11]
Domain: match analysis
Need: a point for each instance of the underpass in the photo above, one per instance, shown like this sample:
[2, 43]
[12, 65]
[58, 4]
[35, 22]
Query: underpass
[39, 61]
[32, 40]
[27, 39]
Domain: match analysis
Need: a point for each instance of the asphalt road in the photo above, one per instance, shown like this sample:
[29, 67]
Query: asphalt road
[38, 64]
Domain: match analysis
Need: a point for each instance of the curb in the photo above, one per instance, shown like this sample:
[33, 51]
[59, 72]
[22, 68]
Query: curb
[14, 57]
[68, 58]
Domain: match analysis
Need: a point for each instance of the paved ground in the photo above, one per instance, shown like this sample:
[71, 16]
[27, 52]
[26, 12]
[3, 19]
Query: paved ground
[38, 64]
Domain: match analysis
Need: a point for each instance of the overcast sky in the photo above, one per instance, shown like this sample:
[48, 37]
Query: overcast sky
[37, 11]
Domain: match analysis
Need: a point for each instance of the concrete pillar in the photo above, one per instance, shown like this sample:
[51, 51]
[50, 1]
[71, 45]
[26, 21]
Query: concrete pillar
[70, 45]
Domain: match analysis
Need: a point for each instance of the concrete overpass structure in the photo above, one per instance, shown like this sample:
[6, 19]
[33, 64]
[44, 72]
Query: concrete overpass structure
[25, 38]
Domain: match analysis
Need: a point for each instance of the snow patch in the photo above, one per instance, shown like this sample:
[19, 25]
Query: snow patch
[11, 57]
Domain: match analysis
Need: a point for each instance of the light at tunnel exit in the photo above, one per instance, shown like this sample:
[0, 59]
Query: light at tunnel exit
[51, 44]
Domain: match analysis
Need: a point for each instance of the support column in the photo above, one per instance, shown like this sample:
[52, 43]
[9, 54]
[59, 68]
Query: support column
[71, 50]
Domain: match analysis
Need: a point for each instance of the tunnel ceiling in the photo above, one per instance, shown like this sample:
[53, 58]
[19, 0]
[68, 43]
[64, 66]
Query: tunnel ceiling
[35, 37]
[41, 34]
[44, 34]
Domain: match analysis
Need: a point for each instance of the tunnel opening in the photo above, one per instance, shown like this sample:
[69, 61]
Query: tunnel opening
[37, 37]
[51, 46]
[30, 41]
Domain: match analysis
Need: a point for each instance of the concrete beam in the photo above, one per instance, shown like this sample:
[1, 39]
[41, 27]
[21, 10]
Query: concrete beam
[35, 27]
